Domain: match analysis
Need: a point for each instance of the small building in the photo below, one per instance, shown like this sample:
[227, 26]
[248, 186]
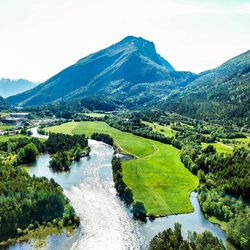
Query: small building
[19, 115]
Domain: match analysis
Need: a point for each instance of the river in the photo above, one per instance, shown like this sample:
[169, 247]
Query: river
[105, 222]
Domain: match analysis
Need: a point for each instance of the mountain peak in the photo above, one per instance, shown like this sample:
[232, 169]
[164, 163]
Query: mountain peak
[143, 47]
[130, 62]
[136, 42]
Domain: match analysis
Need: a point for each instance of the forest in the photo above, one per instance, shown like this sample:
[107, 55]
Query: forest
[172, 239]
[125, 193]
[103, 137]
[26, 202]
[224, 178]
[65, 149]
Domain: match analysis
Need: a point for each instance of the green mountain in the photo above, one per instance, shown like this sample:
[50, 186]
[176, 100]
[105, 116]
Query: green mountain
[219, 95]
[130, 70]
[10, 87]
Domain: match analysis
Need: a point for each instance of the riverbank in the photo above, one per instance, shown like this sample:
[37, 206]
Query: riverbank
[37, 237]
[147, 174]
[90, 188]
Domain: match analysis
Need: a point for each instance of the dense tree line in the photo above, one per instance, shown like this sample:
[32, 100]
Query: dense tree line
[63, 142]
[65, 149]
[155, 115]
[219, 204]
[136, 127]
[125, 193]
[172, 239]
[224, 181]
[15, 144]
[62, 160]
[103, 137]
[28, 202]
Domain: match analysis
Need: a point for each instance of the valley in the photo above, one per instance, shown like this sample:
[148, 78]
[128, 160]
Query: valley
[122, 150]
[158, 173]
[124, 125]
[90, 187]
[147, 175]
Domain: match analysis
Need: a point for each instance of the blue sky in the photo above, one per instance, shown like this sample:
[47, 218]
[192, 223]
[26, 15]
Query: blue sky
[38, 38]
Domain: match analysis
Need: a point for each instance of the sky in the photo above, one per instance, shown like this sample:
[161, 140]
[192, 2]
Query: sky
[39, 38]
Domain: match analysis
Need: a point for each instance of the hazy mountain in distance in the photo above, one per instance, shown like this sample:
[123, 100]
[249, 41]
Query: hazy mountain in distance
[9, 87]
[4, 104]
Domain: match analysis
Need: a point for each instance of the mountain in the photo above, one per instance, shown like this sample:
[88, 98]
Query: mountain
[10, 87]
[3, 104]
[220, 94]
[130, 70]
[132, 74]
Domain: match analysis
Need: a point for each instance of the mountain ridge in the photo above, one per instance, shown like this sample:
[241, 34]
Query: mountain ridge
[223, 91]
[9, 87]
[132, 60]
[134, 75]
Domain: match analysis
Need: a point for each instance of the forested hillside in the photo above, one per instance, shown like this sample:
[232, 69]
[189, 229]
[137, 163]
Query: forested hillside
[218, 95]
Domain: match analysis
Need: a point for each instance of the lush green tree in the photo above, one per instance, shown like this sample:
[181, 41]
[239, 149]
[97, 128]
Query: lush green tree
[124, 192]
[103, 137]
[27, 202]
[238, 230]
[77, 152]
[60, 161]
[172, 240]
[61, 142]
[139, 211]
[27, 154]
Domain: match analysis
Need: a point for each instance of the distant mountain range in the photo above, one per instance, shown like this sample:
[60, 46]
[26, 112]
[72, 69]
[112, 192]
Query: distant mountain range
[3, 104]
[131, 74]
[10, 87]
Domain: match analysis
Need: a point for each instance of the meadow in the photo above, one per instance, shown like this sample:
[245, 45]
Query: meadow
[4, 138]
[95, 115]
[156, 176]
[220, 147]
[6, 127]
[165, 130]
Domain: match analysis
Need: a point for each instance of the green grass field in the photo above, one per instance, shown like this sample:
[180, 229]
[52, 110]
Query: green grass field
[4, 114]
[222, 224]
[4, 138]
[242, 142]
[165, 130]
[6, 127]
[220, 147]
[95, 114]
[157, 176]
